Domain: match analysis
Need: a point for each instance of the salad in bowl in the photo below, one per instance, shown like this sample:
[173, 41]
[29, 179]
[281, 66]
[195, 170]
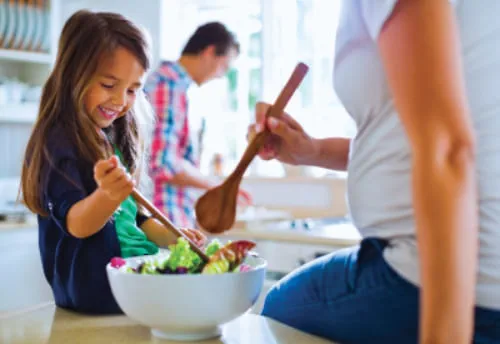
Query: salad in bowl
[181, 259]
[179, 296]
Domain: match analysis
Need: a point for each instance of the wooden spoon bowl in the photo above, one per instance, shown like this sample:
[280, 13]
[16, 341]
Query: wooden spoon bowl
[226, 258]
[216, 209]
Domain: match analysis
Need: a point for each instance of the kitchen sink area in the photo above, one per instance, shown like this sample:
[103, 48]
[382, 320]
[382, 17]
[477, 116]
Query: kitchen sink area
[288, 244]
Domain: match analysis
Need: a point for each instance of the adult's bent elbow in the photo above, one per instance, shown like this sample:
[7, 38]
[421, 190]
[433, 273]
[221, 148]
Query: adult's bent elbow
[461, 153]
[447, 151]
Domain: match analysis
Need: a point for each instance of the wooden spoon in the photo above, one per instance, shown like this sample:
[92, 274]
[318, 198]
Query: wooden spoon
[233, 253]
[216, 209]
[166, 222]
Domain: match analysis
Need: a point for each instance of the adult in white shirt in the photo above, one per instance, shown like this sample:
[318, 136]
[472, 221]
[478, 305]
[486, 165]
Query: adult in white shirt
[422, 81]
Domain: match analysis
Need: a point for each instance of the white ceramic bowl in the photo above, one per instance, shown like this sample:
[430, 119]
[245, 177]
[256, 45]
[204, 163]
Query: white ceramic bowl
[186, 307]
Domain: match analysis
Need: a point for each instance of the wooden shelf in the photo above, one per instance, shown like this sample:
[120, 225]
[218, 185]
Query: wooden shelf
[26, 56]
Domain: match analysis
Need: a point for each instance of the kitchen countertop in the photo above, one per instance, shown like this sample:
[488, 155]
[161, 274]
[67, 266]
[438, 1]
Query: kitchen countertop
[28, 222]
[47, 323]
[14, 225]
[332, 235]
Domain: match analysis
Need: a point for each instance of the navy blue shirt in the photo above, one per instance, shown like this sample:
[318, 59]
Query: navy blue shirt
[75, 268]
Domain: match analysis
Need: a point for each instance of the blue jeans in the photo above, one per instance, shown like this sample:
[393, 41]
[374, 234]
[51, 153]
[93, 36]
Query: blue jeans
[354, 296]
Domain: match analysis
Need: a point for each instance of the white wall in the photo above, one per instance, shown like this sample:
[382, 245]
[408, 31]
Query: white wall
[23, 284]
[145, 13]
[174, 27]
[300, 196]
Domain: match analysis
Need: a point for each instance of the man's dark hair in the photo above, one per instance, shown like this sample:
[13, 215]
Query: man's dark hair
[212, 33]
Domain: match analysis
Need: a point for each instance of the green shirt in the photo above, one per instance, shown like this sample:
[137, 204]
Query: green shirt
[133, 241]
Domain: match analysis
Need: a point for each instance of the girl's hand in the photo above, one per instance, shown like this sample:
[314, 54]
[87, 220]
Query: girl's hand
[196, 236]
[112, 179]
[289, 143]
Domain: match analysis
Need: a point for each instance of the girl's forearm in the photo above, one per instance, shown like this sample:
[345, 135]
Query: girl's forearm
[157, 233]
[89, 215]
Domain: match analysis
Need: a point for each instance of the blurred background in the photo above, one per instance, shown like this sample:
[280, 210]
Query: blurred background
[301, 209]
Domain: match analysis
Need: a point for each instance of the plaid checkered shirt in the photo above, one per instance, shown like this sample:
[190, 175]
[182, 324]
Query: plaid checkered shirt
[172, 144]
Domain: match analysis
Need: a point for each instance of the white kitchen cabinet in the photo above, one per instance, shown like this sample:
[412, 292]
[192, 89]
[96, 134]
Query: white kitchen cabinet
[23, 283]
[22, 73]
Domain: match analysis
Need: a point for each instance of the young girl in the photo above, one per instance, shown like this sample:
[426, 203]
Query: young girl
[88, 112]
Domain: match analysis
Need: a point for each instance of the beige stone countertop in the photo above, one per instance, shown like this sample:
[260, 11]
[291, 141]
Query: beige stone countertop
[333, 235]
[28, 222]
[47, 323]
[15, 225]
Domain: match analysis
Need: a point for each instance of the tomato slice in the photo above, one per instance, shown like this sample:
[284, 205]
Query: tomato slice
[228, 257]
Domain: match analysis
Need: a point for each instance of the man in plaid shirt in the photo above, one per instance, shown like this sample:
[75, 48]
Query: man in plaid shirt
[174, 163]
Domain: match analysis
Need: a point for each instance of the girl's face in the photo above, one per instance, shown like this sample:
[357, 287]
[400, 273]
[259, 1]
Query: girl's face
[113, 89]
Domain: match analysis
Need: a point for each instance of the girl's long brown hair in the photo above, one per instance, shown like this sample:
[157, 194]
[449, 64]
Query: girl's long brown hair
[85, 38]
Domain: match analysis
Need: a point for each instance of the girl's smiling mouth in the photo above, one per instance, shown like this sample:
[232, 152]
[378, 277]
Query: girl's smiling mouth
[108, 113]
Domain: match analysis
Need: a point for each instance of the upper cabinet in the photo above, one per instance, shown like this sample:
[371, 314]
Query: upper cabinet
[28, 43]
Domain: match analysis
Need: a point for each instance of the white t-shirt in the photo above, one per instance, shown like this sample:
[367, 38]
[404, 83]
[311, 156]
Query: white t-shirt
[379, 179]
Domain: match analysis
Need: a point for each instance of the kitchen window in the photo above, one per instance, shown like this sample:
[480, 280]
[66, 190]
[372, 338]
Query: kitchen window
[274, 36]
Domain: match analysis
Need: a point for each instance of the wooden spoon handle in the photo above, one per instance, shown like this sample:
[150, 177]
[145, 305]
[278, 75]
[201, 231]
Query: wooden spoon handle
[288, 90]
[139, 198]
[274, 111]
[166, 222]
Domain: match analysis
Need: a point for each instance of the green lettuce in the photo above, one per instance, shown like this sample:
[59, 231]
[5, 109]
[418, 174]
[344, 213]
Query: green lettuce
[181, 255]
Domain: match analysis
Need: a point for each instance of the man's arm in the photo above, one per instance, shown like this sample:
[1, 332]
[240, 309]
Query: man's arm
[191, 176]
